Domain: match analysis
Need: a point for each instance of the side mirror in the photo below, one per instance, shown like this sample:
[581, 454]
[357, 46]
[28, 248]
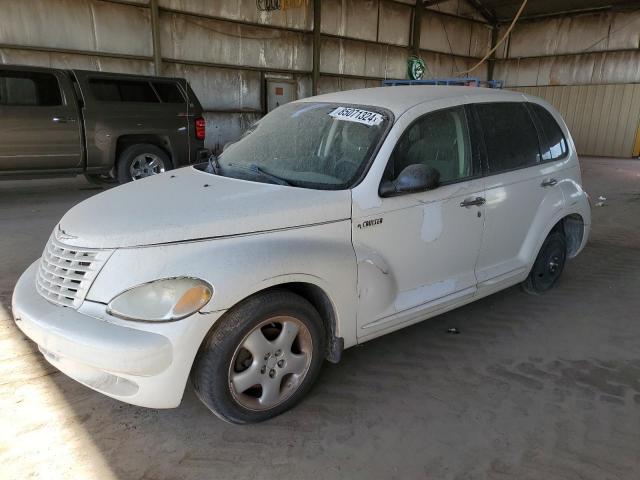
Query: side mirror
[414, 178]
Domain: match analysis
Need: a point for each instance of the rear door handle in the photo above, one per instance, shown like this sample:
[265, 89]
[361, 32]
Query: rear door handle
[549, 183]
[469, 202]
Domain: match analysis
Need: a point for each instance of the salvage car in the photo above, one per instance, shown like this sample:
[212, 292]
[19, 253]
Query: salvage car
[106, 126]
[334, 220]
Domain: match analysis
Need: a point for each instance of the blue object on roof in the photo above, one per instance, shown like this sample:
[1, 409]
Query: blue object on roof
[460, 81]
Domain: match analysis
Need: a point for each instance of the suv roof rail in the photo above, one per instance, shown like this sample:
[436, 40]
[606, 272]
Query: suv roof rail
[461, 81]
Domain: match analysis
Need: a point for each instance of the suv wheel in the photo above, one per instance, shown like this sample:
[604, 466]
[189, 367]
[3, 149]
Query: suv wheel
[261, 358]
[142, 160]
[548, 265]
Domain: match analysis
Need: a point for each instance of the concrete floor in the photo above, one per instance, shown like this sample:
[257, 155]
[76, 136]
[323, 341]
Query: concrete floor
[532, 388]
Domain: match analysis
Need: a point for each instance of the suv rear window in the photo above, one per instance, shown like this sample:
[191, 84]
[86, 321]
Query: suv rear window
[553, 144]
[29, 89]
[510, 136]
[168, 92]
[111, 90]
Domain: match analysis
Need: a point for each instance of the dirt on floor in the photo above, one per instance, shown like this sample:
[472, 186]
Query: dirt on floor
[533, 387]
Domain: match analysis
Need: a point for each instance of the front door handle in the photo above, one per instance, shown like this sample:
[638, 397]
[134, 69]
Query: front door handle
[63, 119]
[469, 202]
[549, 183]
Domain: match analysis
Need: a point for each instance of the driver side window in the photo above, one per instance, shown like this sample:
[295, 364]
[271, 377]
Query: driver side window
[438, 140]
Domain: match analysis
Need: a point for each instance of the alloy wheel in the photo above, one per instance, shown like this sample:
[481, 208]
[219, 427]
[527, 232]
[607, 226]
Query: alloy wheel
[145, 165]
[270, 363]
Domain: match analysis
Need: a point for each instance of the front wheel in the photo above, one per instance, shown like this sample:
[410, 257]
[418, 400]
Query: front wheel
[261, 359]
[548, 266]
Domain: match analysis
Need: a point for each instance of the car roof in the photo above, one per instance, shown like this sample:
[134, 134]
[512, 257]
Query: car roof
[401, 98]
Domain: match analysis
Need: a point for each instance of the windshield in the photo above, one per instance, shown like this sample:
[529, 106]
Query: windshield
[312, 145]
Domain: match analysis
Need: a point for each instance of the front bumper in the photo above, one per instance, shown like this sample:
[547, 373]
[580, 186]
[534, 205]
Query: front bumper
[140, 363]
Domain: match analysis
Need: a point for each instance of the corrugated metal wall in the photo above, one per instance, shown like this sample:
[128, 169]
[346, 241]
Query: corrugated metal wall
[580, 50]
[226, 47]
[603, 119]
[587, 66]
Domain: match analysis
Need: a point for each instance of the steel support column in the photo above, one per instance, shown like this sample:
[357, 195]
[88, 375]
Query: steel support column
[317, 21]
[492, 59]
[416, 27]
[155, 37]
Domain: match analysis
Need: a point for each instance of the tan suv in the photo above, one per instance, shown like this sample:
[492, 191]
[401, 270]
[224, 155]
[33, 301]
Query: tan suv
[66, 122]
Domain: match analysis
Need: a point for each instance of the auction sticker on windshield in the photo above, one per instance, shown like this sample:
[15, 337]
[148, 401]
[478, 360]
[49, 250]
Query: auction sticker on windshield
[356, 115]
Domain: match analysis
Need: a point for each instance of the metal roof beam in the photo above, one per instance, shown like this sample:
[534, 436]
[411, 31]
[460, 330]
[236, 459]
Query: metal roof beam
[486, 13]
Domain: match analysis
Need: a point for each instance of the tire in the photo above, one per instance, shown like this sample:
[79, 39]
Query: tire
[548, 266]
[144, 158]
[276, 376]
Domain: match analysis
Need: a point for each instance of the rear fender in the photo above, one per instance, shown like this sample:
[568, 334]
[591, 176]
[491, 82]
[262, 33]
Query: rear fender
[574, 202]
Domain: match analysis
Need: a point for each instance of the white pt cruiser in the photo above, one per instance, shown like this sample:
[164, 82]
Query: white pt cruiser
[334, 220]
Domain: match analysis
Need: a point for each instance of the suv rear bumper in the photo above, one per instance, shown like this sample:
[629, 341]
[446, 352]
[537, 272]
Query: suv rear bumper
[201, 155]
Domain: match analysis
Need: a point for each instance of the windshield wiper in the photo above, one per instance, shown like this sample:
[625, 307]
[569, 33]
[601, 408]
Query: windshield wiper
[275, 178]
[258, 170]
[214, 165]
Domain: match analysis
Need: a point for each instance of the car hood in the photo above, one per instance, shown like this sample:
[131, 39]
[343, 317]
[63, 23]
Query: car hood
[188, 204]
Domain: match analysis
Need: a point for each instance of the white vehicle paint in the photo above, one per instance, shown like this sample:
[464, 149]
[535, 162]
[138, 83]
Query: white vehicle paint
[379, 263]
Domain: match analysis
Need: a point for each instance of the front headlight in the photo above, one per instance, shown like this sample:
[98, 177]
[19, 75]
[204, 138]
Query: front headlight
[162, 300]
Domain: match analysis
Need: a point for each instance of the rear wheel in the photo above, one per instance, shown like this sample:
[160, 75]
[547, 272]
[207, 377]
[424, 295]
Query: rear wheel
[548, 266]
[261, 359]
[142, 160]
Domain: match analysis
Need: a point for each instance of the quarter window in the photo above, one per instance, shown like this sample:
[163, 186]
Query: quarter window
[108, 90]
[509, 136]
[439, 140]
[553, 143]
[168, 92]
[29, 89]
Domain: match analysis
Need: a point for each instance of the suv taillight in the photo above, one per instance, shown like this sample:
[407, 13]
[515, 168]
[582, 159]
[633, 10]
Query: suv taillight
[200, 128]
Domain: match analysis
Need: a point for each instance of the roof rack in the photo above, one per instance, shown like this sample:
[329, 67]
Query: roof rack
[464, 82]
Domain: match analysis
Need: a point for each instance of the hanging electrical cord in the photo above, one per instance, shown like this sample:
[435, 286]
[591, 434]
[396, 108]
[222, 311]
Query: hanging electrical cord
[444, 28]
[506, 34]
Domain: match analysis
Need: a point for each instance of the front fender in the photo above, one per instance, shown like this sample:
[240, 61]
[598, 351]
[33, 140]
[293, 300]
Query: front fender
[240, 266]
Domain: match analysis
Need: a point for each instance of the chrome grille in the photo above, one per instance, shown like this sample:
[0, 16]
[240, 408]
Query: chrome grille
[66, 272]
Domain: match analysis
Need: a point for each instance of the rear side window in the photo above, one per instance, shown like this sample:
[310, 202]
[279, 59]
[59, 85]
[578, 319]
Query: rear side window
[509, 136]
[168, 92]
[111, 90]
[29, 89]
[553, 144]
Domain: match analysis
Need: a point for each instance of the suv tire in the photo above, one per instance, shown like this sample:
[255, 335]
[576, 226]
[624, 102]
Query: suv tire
[142, 160]
[548, 266]
[287, 337]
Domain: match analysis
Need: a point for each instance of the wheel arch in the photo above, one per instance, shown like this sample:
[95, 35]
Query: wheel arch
[321, 301]
[125, 141]
[319, 298]
[572, 226]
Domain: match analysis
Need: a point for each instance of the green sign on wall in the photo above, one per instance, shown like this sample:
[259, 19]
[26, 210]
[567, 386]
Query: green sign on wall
[415, 68]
